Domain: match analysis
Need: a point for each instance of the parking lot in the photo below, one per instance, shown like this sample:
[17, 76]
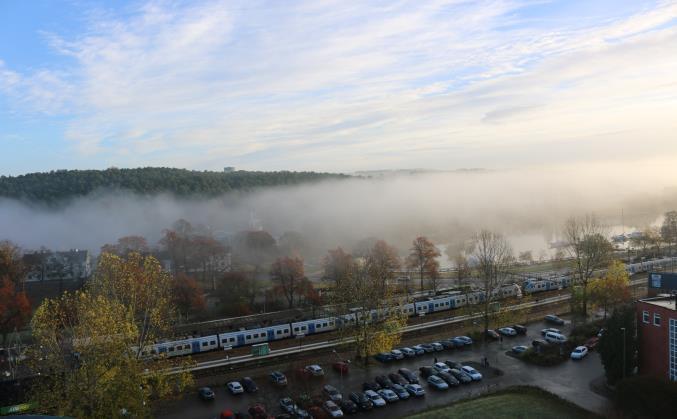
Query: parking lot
[569, 380]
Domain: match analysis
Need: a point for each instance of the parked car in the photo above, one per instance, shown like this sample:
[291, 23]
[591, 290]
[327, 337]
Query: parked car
[341, 367]
[549, 329]
[401, 392]
[384, 357]
[472, 372]
[461, 376]
[288, 405]
[453, 364]
[249, 385]
[437, 383]
[538, 343]
[397, 379]
[277, 378]
[601, 332]
[551, 318]
[427, 347]
[235, 387]
[370, 385]
[552, 337]
[408, 375]
[592, 343]
[314, 370]
[418, 350]
[415, 390]
[448, 344]
[227, 414]
[464, 340]
[440, 366]
[361, 400]
[333, 409]
[388, 395]
[437, 346]
[348, 406]
[507, 331]
[408, 352]
[449, 378]
[491, 334]
[397, 354]
[579, 352]
[332, 393]
[376, 400]
[205, 393]
[258, 411]
[519, 349]
[426, 371]
[520, 329]
[383, 381]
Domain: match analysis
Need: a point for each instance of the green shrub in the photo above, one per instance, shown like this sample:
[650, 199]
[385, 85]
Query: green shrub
[647, 397]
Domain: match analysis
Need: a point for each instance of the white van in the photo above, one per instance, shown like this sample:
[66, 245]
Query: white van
[553, 337]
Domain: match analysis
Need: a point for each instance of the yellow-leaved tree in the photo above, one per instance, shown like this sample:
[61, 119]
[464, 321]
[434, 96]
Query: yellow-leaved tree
[88, 344]
[611, 290]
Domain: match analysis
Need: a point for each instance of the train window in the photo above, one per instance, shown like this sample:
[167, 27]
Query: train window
[153, 351]
[232, 339]
[171, 349]
[286, 330]
[279, 332]
[186, 346]
[256, 335]
[212, 342]
[205, 343]
[324, 324]
[249, 336]
[296, 329]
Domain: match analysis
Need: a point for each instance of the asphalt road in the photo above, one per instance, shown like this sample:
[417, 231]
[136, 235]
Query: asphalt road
[569, 380]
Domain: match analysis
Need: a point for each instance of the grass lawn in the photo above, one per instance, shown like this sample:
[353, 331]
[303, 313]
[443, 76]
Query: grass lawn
[516, 402]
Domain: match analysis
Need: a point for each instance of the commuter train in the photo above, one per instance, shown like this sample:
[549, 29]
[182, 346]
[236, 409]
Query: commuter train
[443, 302]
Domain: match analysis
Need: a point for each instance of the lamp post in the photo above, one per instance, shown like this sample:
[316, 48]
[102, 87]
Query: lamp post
[623, 330]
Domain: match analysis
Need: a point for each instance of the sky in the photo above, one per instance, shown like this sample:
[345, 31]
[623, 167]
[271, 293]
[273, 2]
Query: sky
[336, 85]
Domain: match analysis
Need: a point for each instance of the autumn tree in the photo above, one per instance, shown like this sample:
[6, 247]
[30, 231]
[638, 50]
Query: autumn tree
[493, 256]
[177, 242]
[423, 257]
[207, 253]
[462, 267]
[669, 229]
[256, 248]
[654, 239]
[381, 262]
[15, 308]
[287, 274]
[612, 289]
[336, 264]
[126, 245]
[237, 292]
[589, 250]
[187, 295]
[83, 354]
[292, 243]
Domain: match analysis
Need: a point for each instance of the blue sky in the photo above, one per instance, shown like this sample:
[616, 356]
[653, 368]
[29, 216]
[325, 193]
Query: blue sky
[335, 85]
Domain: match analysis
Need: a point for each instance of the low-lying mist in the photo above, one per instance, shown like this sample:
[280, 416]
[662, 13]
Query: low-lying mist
[448, 207]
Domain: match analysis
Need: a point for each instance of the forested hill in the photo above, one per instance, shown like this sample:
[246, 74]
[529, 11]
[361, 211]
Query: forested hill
[62, 185]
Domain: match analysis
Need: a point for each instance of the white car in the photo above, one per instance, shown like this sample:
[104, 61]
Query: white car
[376, 400]
[437, 346]
[579, 353]
[552, 337]
[388, 395]
[415, 390]
[397, 354]
[315, 370]
[333, 409]
[472, 372]
[441, 367]
[408, 352]
[235, 387]
[507, 331]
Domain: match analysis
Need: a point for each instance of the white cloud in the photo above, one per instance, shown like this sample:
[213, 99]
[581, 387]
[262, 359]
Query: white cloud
[336, 85]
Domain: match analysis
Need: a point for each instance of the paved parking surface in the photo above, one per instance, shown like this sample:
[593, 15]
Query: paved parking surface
[569, 380]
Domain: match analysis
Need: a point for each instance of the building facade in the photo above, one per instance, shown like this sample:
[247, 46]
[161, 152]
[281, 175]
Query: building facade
[46, 265]
[657, 333]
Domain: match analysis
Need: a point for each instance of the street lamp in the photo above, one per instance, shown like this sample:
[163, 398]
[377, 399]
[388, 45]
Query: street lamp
[623, 330]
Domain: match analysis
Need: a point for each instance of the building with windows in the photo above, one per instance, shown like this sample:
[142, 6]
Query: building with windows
[657, 334]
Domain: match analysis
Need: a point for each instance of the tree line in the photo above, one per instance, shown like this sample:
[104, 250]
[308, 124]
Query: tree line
[62, 185]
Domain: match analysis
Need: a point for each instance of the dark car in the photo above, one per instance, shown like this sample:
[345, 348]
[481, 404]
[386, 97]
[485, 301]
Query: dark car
[491, 334]
[426, 371]
[206, 393]
[258, 411]
[370, 385]
[408, 375]
[361, 400]
[398, 379]
[520, 329]
[453, 364]
[348, 406]
[277, 378]
[461, 376]
[592, 343]
[449, 378]
[249, 385]
[340, 367]
[539, 342]
[384, 357]
[448, 344]
[383, 381]
[551, 318]
[427, 347]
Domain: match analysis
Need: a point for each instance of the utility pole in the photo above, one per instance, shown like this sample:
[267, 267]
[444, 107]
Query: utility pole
[623, 330]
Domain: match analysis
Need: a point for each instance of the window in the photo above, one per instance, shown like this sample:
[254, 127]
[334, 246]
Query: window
[296, 329]
[249, 336]
[186, 346]
[204, 343]
[645, 316]
[212, 342]
[279, 332]
[170, 349]
[656, 319]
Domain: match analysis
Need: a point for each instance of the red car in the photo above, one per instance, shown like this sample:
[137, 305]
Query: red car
[341, 367]
[258, 411]
[227, 414]
[592, 343]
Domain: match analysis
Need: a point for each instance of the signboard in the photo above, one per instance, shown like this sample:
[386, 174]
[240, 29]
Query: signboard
[663, 281]
[260, 349]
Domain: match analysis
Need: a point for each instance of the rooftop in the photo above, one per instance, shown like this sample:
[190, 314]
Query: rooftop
[669, 302]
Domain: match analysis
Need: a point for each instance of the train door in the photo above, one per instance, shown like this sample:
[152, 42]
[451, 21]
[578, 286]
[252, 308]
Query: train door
[311, 327]
[431, 307]
[240, 340]
[195, 346]
[271, 334]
